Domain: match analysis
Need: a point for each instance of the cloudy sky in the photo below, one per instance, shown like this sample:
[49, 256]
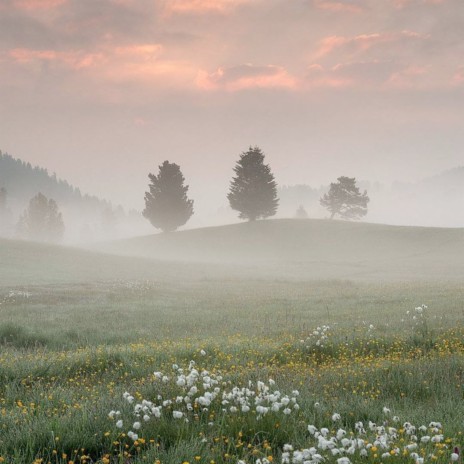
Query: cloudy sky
[102, 91]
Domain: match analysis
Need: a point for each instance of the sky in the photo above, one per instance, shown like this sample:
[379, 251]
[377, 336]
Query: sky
[103, 91]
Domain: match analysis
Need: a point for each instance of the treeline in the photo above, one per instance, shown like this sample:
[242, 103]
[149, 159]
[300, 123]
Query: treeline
[23, 181]
[85, 217]
[253, 194]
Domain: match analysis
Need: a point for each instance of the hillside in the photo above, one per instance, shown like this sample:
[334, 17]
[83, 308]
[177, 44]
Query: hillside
[312, 248]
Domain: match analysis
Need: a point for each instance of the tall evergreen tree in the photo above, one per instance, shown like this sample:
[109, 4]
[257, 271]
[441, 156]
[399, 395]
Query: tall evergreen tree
[41, 221]
[166, 204]
[3, 197]
[345, 199]
[253, 190]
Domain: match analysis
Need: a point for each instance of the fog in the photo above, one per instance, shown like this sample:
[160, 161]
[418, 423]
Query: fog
[103, 93]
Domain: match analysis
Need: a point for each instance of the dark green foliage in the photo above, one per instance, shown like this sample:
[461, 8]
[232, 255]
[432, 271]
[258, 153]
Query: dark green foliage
[22, 181]
[253, 191]
[345, 199]
[41, 221]
[166, 204]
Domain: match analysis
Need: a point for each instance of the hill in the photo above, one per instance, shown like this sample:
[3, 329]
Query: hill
[312, 248]
[86, 217]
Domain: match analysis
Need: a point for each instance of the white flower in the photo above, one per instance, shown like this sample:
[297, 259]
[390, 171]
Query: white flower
[136, 425]
[386, 410]
[203, 352]
[343, 460]
[454, 457]
[146, 417]
[336, 417]
[287, 411]
[119, 424]
[177, 414]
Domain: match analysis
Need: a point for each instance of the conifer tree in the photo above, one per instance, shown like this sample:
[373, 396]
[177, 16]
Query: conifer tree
[345, 199]
[253, 190]
[166, 204]
[41, 221]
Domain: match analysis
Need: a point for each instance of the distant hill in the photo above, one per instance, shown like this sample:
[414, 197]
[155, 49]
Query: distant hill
[86, 217]
[23, 181]
[312, 248]
[434, 201]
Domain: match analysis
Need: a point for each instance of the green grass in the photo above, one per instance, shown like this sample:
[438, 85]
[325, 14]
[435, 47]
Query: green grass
[79, 328]
[313, 249]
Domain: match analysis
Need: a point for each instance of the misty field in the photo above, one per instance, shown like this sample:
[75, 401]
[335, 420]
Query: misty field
[125, 359]
[340, 354]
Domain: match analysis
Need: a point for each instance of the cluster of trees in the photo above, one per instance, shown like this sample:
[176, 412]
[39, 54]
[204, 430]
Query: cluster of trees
[253, 193]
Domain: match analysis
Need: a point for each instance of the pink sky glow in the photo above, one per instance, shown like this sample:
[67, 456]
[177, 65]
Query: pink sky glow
[324, 86]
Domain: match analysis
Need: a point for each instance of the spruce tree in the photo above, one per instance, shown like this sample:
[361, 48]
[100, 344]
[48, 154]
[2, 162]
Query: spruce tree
[345, 199]
[41, 221]
[253, 190]
[166, 204]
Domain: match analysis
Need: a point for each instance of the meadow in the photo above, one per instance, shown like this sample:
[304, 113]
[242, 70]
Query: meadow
[114, 359]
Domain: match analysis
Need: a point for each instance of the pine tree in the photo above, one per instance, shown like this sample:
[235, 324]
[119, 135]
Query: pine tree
[166, 204]
[345, 199]
[41, 221]
[253, 191]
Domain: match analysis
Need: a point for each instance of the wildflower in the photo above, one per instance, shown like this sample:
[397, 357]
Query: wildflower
[336, 417]
[203, 352]
[343, 460]
[177, 414]
[119, 424]
[454, 457]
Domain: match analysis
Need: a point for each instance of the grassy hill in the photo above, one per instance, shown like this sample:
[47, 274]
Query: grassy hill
[274, 249]
[314, 248]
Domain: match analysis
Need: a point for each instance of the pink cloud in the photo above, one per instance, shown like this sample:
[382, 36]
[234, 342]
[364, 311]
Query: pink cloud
[409, 77]
[201, 6]
[247, 76]
[338, 6]
[363, 42]
[362, 74]
[72, 59]
[37, 4]
[458, 77]
[400, 4]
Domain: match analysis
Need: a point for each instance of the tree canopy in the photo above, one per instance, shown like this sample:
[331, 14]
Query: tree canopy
[253, 190]
[167, 206]
[41, 221]
[345, 199]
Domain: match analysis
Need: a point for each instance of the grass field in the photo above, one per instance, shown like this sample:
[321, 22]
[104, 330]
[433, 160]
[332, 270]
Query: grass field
[88, 343]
